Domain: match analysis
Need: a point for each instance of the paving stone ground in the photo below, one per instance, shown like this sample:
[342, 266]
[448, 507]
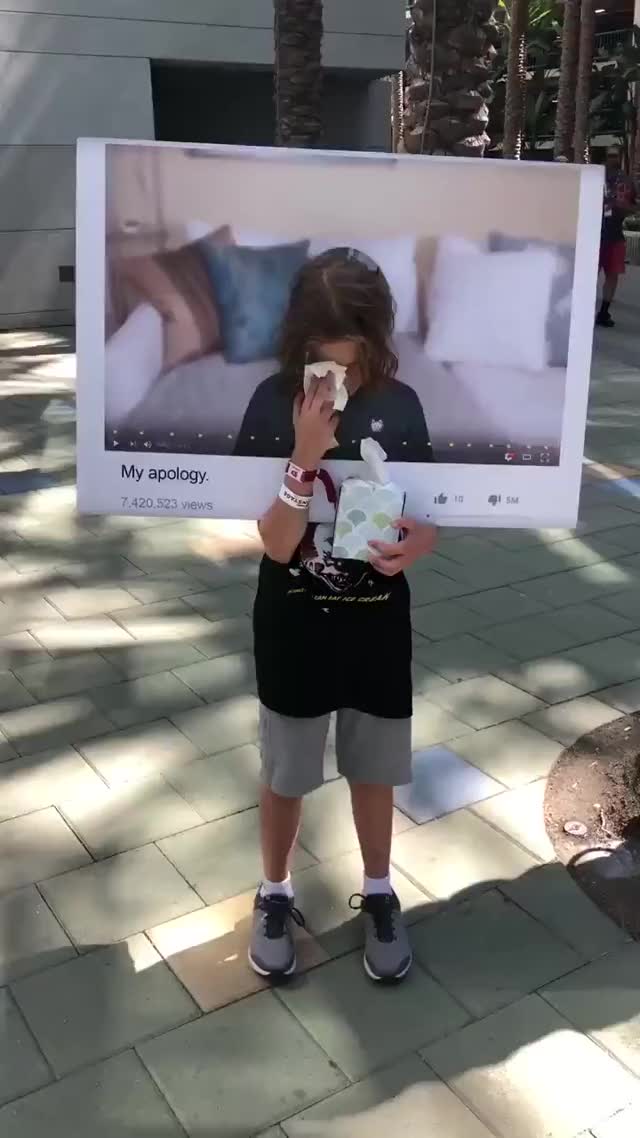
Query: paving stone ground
[128, 838]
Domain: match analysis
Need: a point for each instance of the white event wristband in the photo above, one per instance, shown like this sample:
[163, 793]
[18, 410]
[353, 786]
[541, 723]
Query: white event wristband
[296, 501]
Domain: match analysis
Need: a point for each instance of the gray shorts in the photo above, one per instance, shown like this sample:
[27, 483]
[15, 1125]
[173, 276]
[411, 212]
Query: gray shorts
[368, 750]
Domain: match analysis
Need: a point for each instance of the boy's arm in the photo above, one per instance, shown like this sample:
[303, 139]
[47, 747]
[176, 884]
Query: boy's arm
[283, 526]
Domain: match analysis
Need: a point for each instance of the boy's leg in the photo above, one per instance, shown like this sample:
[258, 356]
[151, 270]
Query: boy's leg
[373, 816]
[279, 825]
[375, 755]
[612, 261]
[292, 753]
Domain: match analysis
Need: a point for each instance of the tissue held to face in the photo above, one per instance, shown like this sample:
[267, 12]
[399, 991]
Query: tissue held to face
[345, 353]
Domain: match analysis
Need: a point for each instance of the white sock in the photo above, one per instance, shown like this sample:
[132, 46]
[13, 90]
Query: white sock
[377, 885]
[277, 888]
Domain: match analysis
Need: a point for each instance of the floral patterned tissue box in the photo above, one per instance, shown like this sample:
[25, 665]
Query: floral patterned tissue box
[366, 510]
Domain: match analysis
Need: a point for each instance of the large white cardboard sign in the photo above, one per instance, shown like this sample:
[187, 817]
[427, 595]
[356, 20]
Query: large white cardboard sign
[187, 258]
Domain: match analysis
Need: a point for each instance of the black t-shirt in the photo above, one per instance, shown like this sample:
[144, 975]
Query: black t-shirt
[391, 413]
[619, 191]
[332, 633]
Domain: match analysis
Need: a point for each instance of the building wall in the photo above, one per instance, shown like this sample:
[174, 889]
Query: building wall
[73, 68]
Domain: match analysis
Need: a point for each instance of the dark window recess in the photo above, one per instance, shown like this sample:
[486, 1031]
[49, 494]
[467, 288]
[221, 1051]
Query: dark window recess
[67, 274]
[199, 102]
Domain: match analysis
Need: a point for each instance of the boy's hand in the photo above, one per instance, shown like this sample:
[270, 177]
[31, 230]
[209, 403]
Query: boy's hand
[418, 539]
[315, 424]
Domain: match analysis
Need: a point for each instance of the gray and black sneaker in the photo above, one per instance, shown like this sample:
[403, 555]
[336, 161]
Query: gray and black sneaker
[272, 950]
[387, 952]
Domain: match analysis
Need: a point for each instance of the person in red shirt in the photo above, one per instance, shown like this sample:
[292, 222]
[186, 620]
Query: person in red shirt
[619, 202]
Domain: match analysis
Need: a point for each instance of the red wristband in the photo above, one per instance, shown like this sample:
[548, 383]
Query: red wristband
[304, 477]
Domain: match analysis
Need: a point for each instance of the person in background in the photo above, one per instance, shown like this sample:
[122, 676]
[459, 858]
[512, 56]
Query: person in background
[619, 202]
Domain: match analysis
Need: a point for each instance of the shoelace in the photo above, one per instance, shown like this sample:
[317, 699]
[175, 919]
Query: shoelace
[275, 913]
[382, 908]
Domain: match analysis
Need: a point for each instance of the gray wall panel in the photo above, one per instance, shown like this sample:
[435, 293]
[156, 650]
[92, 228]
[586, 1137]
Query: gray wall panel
[377, 17]
[153, 39]
[37, 186]
[59, 98]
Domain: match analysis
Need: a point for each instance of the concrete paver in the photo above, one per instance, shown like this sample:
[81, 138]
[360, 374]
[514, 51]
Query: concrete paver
[442, 782]
[363, 1027]
[458, 852]
[222, 859]
[128, 723]
[550, 895]
[32, 939]
[488, 953]
[603, 999]
[512, 753]
[567, 722]
[110, 900]
[525, 1072]
[23, 1067]
[115, 1097]
[96, 1005]
[519, 814]
[240, 1068]
[406, 1098]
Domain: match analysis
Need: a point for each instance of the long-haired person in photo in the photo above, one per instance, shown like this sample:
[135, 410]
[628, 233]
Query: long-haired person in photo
[341, 310]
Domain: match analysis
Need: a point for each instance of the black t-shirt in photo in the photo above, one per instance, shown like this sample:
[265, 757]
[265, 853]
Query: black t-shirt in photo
[334, 633]
[391, 413]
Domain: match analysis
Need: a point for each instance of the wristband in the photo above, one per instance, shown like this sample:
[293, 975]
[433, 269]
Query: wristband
[298, 474]
[296, 501]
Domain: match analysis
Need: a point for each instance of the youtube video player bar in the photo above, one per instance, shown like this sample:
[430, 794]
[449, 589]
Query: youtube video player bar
[499, 454]
[480, 454]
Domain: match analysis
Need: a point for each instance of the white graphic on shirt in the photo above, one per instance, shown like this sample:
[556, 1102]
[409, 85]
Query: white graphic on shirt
[377, 425]
[315, 555]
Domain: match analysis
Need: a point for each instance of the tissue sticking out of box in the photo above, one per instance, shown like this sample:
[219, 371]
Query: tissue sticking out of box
[339, 373]
[375, 457]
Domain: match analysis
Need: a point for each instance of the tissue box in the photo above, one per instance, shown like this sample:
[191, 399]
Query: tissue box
[366, 510]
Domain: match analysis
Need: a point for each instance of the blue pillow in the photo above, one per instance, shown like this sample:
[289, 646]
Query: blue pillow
[252, 289]
[559, 318]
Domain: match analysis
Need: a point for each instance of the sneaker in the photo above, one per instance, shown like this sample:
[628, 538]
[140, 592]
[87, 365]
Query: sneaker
[387, 952]
[272, 950]
[604, 320]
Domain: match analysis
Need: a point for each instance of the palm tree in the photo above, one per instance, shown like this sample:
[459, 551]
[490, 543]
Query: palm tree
[565, 116]
[583, 87]
[298, 28]
[516, 80]
[453, 47]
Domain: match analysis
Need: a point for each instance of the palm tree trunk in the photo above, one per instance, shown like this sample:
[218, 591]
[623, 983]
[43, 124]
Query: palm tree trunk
[451, 69]
[298, 28]
[583, 88]
[635, 153]
[397, 111]
[565, 114]
[516, 83]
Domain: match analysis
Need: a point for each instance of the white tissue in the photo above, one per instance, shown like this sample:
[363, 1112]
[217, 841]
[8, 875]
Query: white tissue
[375, 457]
[339, 373]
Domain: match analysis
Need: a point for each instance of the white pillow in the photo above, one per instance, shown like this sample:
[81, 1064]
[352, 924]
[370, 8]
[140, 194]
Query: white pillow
[447, 247]
[133, 361]
[491, 308]
[396, 256]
